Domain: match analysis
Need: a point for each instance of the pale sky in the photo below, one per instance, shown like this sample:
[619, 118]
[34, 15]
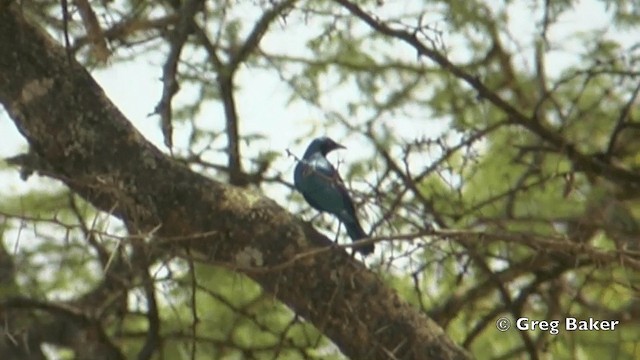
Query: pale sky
[135, 88]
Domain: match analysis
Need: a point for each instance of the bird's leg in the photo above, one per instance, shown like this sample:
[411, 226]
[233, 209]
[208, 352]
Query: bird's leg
[338, 232]
[353, 251]
[335, 241]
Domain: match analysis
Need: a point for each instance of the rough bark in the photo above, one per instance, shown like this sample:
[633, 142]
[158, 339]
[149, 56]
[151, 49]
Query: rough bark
[79, 137]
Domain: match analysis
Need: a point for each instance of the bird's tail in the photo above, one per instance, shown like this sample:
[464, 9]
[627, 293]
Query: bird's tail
[356, 233]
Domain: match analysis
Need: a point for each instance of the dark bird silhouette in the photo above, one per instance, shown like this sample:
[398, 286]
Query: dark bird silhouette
[320, 184]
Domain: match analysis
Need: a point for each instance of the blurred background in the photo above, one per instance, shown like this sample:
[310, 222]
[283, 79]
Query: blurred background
[480, 149]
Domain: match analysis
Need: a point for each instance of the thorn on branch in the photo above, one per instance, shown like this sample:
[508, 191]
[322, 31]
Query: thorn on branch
[169, 70]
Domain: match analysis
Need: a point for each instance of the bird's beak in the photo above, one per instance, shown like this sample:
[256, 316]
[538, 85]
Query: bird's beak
[338, 146]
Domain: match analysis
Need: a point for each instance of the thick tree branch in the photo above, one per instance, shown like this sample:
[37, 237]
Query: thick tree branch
[91, 147]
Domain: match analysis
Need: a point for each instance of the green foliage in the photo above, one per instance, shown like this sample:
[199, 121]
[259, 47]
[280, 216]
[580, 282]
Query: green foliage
[501, 215]
[236, 317]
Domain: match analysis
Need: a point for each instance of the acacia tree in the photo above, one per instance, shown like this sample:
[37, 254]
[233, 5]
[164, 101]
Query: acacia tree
[521, 206]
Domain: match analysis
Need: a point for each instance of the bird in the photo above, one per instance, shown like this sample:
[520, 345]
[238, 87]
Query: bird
[321, 186]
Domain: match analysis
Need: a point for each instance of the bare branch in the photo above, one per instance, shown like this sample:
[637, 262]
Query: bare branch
[170, 84]
[581, 162]
[157, 196]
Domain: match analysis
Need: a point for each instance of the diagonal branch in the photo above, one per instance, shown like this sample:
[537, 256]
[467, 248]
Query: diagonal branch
[581, 162]
[258, 31]
[622, 120]
[94, 31]
[90, 146]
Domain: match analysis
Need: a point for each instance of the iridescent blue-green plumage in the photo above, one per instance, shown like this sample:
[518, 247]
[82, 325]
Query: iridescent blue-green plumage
[320, 184]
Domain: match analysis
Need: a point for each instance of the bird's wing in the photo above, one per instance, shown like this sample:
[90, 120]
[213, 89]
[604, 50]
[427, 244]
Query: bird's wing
[329, 191]
[346, 198]
[313, 203]
[309, 182]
